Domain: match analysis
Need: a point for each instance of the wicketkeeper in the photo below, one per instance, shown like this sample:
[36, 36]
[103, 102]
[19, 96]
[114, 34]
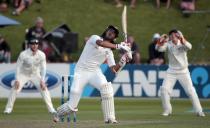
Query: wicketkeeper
[177, 47]
[97, 50]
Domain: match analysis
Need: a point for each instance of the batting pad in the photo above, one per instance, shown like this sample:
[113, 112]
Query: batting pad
[63, 110]
[107, 102]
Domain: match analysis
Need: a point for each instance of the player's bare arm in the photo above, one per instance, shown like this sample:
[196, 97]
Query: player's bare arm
[163, 39]
[115, 68]
[123, 60]
[161, 44]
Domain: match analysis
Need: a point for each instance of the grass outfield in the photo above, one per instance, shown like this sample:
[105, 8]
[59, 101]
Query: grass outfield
[131, 112]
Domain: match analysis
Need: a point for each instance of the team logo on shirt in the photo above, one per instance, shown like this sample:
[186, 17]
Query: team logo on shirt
[7, 80]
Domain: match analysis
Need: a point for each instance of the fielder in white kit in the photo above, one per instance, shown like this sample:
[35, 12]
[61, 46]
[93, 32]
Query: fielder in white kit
[96, 51]
[177, 47]
[31, 66]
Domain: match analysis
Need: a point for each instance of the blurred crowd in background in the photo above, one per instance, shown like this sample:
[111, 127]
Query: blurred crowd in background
[38, 31]
[184, 4]
[18, 6]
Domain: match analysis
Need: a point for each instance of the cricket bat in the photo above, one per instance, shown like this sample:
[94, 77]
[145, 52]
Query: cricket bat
[124, 28]
[124, 23]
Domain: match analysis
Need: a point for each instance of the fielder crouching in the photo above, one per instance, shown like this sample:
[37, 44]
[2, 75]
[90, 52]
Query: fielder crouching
[96, 51]
[31, 66]
[177, 47]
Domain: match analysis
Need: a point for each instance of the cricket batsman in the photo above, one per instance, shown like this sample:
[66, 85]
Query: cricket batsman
[177, 47]
[97, 50]
[31, 66]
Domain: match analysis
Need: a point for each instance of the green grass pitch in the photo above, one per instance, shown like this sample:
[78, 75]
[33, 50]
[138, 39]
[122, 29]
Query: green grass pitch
[131, 113]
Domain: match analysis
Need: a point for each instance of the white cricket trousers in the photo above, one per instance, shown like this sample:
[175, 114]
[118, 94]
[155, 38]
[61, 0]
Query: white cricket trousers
[35, 79]
[186, 83]
[81, 78]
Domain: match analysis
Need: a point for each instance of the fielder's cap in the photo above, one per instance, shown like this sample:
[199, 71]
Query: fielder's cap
[173, 31]
[34, 41]
[115, 29]
[156, 36]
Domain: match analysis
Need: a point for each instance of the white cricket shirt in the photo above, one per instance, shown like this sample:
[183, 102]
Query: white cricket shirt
[177, 56]
[93, 55]
[29, 64]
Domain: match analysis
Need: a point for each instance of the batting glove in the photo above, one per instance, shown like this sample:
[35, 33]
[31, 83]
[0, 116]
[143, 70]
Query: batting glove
[123, 46]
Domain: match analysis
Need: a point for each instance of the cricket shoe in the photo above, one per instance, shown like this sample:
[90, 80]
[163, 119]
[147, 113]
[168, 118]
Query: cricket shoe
[200, 114]
[56, 117]
[62, 111]
[52, 111]
[8, 111]
[166, 113]
[111, 121]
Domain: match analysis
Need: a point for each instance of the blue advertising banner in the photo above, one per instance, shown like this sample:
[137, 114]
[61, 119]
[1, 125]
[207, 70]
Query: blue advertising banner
[145, 81]
[29, 90]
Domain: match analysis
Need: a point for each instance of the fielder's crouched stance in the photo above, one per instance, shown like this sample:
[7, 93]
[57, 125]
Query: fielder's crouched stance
[177, 47]
[31, 66]
[96, 51]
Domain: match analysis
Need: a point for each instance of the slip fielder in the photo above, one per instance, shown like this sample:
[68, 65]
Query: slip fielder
[97, 50]
[177, 47]
[31, 66]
